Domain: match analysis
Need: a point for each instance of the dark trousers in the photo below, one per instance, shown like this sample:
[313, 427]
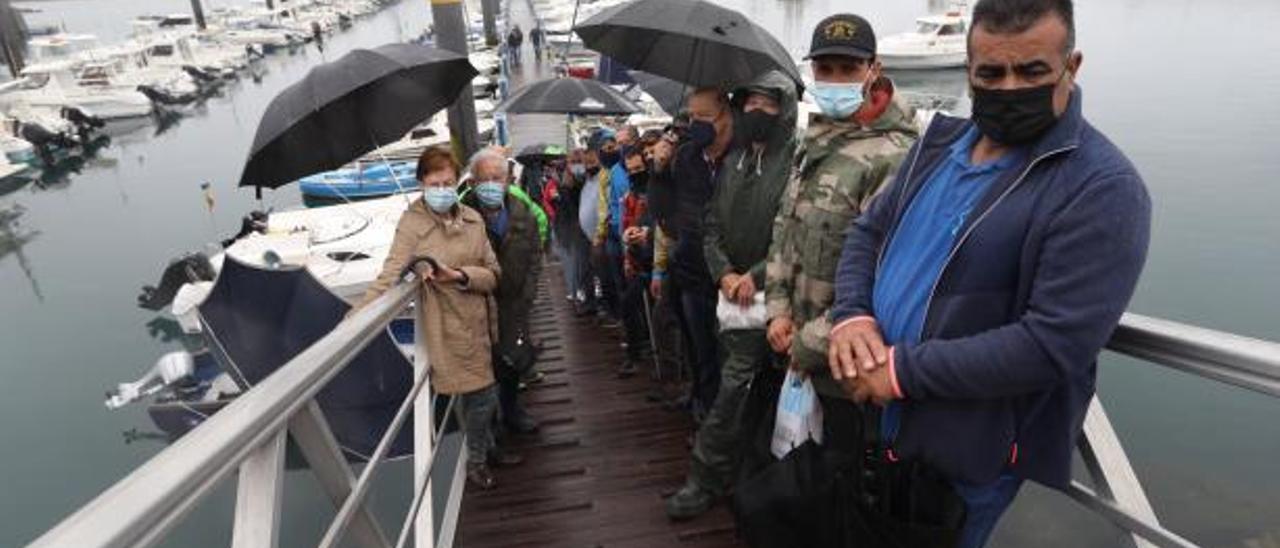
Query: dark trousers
[611, 280]
[717, 448]
[697, 313]
[633, 317]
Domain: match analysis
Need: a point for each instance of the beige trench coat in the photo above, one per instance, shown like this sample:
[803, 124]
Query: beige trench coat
[460, 322]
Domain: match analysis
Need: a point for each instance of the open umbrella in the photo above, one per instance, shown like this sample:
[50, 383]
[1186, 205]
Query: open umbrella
[568, 96]
[691, 41]
[540, 153]
[669, 93]
[260, 318]
[344, 109]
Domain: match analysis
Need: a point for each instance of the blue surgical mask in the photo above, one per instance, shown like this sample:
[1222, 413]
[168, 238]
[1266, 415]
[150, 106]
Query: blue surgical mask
[492, 194]
[837, 101]
[440, 199]
[578, 170]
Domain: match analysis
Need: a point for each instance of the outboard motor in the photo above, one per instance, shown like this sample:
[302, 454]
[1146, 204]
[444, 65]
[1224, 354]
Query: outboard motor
[255, 221]
[44, 140]
[171, 370]
[254, 52]
[84, 122]
[199, 74]
[159, 97]
[189, 268]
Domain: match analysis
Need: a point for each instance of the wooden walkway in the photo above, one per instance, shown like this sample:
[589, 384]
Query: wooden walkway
[597, 473]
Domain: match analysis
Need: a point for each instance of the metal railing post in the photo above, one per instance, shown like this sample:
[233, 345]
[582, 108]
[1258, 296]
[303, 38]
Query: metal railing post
[1113, 476]
[423, 432]
[259, 494]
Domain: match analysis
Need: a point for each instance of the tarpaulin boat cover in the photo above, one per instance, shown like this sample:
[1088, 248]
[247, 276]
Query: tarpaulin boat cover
[259, 319]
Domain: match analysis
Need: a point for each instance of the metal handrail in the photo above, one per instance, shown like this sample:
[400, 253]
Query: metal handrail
[1225, 357]
[1246, 362]
[140, 508]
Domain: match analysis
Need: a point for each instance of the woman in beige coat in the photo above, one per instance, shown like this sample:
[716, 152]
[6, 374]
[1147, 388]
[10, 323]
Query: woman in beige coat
[457, 315]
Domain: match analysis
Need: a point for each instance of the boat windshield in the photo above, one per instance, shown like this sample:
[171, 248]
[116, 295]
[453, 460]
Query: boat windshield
[924, 27]
[952, 29]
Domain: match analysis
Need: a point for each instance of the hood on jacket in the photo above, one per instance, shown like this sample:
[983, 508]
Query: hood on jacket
[778, 84]
[784, 89]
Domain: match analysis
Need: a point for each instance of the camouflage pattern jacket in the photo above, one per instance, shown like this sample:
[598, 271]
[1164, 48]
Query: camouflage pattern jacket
[839, 169]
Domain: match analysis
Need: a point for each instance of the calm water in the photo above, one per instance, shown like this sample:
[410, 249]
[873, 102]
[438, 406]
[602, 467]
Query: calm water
[1186, 88]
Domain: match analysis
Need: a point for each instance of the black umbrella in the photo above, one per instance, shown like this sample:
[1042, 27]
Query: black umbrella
[568, 96]
[691, 41]
[261, 318]
[669, 93]
[344, 109]
[540, 153]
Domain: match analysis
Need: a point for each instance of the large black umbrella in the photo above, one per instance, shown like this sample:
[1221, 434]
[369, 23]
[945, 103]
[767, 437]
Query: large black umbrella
[669, 93]
[344, 109]
[261, 318]
[691, 41]
[568, 96]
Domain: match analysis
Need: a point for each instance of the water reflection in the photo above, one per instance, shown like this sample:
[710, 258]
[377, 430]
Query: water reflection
[13, 237]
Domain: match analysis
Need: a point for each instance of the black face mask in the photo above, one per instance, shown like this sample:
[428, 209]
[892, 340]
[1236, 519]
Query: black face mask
[639, 181]
[1014, 116]
[593, 170]
[608, 159]
[702, 134]
[756, 126]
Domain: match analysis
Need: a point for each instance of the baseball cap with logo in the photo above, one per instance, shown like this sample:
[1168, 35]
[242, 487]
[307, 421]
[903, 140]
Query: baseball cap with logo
[843, 34]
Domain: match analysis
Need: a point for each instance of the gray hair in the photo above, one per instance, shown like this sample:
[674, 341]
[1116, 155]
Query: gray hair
[488, 154]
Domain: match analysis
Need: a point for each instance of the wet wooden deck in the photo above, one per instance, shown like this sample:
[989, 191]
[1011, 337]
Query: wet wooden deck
[597, 473]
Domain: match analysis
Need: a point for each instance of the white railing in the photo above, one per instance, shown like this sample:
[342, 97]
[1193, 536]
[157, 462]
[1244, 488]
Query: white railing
[248, 436]
[1117, 494]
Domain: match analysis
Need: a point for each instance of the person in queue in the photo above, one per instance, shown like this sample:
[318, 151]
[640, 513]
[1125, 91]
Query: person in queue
[851, 150]
[444, 242]
[637, 239]
[694, 166]
[607, 250]
[512, 230]
[659, 146]
[973, 297]
[738, 233]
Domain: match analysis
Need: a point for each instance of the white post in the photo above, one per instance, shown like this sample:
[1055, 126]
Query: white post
[423, 426]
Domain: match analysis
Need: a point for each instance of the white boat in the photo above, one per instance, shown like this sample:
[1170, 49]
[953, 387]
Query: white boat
[938, 42]
[9, 169]
[55, 85]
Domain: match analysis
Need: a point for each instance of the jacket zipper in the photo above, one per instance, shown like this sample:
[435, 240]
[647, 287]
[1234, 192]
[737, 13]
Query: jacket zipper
[964, 237]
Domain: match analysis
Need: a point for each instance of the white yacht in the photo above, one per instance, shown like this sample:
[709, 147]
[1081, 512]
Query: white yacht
[938, 42]
[57, 84]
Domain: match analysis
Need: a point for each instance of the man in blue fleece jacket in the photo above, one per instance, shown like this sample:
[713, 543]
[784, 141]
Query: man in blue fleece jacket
[974, 295]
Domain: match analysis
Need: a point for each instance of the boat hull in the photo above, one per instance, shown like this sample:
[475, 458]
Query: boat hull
[922, 61]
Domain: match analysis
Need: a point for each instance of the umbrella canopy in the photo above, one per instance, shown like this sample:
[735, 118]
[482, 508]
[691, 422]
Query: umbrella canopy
[690, 41]
[344, 109]
[261, 318]
[568, 96]
[669, 93]
[540, 153]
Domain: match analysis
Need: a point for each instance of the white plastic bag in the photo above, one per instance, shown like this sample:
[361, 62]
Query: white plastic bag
[799, 416]
[733, 316]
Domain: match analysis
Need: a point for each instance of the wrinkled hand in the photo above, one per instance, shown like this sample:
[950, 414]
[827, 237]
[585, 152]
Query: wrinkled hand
[447, 275]
[781, 331]
[655, 288]
[745, 291]
[424, 271]
[728, 285]
[856, 346]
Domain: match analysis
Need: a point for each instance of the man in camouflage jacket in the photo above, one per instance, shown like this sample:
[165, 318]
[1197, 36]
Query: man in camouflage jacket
[843, 164]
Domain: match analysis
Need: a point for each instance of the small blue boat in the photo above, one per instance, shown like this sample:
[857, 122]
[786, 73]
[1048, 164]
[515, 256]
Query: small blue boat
[364, 181]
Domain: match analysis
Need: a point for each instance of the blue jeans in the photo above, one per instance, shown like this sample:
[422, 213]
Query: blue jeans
[984, 503]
